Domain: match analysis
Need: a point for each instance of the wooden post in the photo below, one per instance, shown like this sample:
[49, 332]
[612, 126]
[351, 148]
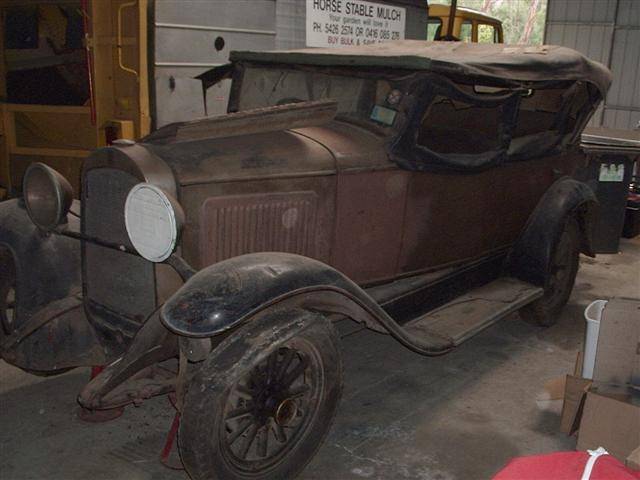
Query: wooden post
[452, 18]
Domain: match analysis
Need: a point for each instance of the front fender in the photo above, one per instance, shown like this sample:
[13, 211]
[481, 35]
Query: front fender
[47, 266]
[530, 257]
[224, 295]
[220, 296]
[47, 270]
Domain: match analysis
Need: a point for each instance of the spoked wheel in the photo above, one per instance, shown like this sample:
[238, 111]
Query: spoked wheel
[562, 274]
[268, 410]
[264, 418]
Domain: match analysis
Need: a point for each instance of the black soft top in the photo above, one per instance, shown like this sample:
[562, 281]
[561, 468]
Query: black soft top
[516, 64]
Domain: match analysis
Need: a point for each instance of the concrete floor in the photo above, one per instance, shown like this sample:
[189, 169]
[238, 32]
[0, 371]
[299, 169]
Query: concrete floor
[460, 416]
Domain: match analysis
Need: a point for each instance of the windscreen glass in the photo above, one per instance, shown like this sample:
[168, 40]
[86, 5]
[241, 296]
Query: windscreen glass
[361, 98]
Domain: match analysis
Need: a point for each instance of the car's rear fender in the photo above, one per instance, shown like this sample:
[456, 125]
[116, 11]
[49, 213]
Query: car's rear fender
[230, 293]
[530, 257]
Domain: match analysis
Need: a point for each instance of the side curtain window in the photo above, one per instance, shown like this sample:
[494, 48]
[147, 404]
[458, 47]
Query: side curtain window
[455, 128]
[466, 128]
[545, 118]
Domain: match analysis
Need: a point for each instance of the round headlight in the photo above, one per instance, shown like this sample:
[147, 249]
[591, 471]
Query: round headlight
[153, 220]
[47, 195]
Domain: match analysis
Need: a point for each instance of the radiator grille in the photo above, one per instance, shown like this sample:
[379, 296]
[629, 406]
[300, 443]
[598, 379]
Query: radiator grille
[275, 222]
[121, 282]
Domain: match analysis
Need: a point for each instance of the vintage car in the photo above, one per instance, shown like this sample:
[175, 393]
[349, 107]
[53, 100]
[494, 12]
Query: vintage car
[423, 190]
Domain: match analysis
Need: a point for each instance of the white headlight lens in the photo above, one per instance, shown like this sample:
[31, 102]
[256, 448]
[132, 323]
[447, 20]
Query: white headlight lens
[151, 221]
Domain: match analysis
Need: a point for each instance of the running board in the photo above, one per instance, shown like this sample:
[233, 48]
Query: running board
[474, 311]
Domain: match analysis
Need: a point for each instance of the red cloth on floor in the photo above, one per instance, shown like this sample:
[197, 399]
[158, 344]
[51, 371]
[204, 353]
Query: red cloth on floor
[565, 466]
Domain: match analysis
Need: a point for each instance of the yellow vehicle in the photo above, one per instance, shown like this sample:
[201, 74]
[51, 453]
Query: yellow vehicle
[468, 25]
[73, 77]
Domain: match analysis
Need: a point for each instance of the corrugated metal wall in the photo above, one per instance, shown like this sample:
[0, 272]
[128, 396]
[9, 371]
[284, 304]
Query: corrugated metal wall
[185, 45]
[607, 31]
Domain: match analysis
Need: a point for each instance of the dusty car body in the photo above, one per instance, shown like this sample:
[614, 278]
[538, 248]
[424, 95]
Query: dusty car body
[421, 189]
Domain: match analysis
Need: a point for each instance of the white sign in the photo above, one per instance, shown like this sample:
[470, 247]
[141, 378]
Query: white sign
[343, 23]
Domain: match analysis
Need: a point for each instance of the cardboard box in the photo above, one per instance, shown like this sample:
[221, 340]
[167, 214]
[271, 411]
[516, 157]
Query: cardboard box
[617, 359]
[633, 460]
[575, 391]
[611, 421]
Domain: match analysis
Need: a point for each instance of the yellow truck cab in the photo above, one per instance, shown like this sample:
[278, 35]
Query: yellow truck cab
[73, 77]
[468, 26]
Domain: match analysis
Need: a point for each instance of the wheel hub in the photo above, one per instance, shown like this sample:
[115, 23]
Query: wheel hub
[276, 404]
[286, 412]
[7, 312]
[270, 407]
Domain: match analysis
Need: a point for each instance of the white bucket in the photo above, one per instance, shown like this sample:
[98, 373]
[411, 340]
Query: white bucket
[593, 314]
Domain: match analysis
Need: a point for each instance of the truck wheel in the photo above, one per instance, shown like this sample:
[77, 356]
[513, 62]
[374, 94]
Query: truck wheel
[262, 415]
[562, 275]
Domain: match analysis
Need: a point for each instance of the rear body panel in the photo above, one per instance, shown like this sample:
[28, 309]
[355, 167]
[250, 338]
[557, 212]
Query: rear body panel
[456, 221]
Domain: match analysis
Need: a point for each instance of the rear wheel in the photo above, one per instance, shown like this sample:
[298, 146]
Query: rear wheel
[262, 418]
[562, 274]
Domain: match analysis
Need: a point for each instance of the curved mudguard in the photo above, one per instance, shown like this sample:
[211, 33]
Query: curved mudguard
[47, 271]
[530, 258]
[227, 294]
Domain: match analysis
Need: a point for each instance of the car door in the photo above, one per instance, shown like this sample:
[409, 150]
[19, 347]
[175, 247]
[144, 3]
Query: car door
[369, 222]
[450, 219]
[370, 201]
[456, 193]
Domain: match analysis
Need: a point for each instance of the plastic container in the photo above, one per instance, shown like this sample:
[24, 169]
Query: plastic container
[593, 314]
[611, 155]
[631, 227]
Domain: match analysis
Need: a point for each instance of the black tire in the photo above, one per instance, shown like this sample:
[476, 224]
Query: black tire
[238, 410]
[562, 275]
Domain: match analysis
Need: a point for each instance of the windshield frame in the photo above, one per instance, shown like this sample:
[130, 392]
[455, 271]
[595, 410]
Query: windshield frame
[397, 81]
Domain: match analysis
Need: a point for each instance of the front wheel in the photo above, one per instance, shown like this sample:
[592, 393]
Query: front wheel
[562, 275]
[262, 413]
[8, 307]
[7, 293]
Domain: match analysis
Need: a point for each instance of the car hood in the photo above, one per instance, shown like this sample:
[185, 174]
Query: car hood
[306, 151]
